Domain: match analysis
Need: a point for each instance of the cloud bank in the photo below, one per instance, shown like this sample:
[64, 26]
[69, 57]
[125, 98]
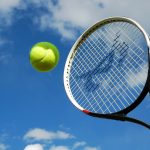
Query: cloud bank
[3, 146]
[34, 147]
[69, 18]
[38, 134]
[48, 139]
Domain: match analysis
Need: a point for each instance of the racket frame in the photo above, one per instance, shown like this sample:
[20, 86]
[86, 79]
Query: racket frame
[120, 115]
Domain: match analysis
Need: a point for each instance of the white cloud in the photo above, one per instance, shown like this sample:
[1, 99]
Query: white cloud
[67, 17]
[67, 148]
[79, 144]
[45, 137]
[91, 148]
[59, 148]
[38, 134]
[7, 8]
[3, 146]
[8, 5]
[34, 147]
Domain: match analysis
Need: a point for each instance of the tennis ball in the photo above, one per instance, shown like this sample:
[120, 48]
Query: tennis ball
[44, 56]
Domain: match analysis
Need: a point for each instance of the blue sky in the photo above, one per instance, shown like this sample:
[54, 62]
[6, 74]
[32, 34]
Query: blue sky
[35, 113]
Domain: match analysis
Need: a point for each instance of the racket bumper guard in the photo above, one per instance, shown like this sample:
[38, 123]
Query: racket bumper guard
[86, 111]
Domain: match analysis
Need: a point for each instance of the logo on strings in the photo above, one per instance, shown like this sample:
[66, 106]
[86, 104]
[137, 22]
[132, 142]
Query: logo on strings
[116, 56]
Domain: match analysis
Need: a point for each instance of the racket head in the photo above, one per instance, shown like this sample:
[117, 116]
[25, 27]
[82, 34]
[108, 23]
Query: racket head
[107, 70]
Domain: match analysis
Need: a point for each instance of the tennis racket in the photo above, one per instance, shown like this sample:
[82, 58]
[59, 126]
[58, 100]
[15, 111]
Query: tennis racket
[107, 72]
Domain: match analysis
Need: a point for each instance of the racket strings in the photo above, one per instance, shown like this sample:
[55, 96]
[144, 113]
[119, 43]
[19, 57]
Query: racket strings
[105, 96]
[84, 103]
[137, 48]
[134, 30]
[136, 61]
[89, 99]
[116, 47]
[125, 92]
[111, 96]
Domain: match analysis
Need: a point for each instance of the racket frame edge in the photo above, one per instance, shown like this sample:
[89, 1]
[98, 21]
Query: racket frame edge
[70, 59]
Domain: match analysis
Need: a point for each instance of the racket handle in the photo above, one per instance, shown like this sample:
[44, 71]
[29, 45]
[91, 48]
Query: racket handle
[119, 117]
[133, 120]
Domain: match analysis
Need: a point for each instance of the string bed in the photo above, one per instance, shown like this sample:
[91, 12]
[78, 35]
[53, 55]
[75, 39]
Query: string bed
[110, 68]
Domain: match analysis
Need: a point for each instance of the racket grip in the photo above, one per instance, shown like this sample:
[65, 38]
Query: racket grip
[120, 117]
[133, 120]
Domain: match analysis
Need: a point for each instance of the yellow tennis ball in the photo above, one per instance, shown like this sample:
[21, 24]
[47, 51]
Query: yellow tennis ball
[44, 56]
